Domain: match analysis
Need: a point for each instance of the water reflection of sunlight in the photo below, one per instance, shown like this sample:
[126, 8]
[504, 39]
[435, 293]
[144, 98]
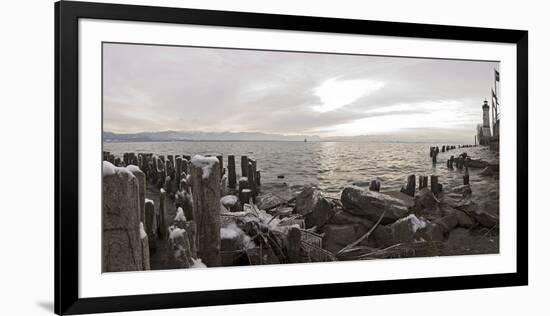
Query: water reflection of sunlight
[328, 157]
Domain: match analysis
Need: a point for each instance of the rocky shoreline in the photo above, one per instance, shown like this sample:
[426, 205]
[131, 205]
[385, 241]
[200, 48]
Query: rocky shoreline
[192, 217]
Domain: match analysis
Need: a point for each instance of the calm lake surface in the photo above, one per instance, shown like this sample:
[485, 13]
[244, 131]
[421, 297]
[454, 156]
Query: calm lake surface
[329, 165]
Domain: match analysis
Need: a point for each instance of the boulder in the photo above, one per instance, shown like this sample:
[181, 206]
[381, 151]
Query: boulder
[269, 201]
[372, 205]
[405, 198]
[382, 236]
[345, 218]
[439, 229]
[339, 236]
[316, 208]
[490, 171]
[482, 217]
[425, 199]
[477, 163]
[404, 229]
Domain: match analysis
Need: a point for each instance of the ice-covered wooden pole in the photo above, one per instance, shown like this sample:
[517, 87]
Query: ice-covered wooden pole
[178, 171]
[410, 187]
[161, 215]
[150, 222]
[252, 178]
[120, 224]
[232, 176]
[141, 182]
[220, 160]
[244, 166]
[205, 177]
[374, 186]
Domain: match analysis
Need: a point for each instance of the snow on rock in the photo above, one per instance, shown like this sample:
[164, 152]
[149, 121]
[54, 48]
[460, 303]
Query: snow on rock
[205, 163]
[180, 217]
[197, 263]
[150, 201]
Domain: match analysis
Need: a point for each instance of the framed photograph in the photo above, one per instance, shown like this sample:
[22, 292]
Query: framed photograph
[209, 158]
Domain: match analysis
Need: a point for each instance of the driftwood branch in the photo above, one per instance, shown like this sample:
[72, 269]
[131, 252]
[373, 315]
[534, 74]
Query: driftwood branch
[365, 236]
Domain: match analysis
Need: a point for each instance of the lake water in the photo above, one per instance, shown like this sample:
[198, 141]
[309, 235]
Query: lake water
[330, 165]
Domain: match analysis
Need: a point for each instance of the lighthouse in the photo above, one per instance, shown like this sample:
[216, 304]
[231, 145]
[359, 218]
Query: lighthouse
[486, 122]
[484, 130]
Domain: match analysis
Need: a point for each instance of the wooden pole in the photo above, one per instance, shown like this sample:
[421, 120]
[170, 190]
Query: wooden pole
[244, 166]
[410, 187]
[205, 178]
[232, 176]
[161, 216]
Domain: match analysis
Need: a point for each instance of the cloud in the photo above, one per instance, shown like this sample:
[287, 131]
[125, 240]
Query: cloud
[155, 88]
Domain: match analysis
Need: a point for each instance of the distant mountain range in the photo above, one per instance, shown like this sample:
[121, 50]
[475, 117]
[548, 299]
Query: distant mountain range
[166, 136]
[202, 136]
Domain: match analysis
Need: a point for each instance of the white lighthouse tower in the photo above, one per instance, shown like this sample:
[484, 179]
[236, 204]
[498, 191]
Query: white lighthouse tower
[486, 122]
[484, 130]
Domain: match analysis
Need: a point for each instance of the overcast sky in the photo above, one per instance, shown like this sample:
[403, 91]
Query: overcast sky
[159, 88]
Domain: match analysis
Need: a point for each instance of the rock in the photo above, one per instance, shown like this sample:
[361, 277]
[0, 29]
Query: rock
[372, 205]
[404, 229]
[382, 236]
[120, 224]
[405, 198]
[464, 190]
[316, 208]
[269, 200]
[482, 217]
[439, 229]
[345, 218]
[425, 198]
[339, 236]
[477, 163]
[485, 219]
[464, 220]
[490, 171]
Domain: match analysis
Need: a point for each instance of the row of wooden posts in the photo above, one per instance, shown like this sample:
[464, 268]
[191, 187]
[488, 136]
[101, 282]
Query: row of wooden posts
[157, 168]
[175, 176]
[434, 150]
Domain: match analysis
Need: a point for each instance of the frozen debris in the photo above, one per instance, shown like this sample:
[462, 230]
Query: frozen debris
[180, 217]
[205, 163]
[197, 264]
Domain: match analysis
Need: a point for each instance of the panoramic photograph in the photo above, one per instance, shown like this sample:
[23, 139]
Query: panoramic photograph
[218, 157]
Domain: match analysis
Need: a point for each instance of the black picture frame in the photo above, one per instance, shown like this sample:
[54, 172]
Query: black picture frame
[67, 15]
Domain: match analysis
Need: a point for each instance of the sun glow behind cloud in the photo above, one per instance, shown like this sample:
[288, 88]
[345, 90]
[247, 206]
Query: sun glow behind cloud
[335, 94]
[399, 117]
